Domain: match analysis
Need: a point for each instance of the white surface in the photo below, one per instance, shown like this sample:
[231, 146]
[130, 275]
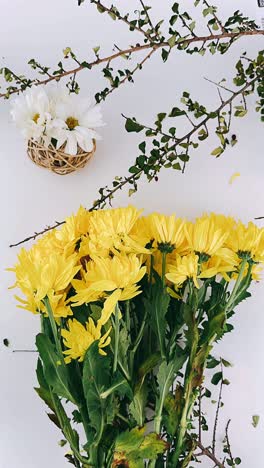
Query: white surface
[31, 198]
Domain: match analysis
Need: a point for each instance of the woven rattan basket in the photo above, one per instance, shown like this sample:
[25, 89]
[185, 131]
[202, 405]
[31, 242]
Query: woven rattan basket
[55, 159]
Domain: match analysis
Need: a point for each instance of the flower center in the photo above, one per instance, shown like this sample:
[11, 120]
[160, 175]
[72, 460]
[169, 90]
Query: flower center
[35, 118]
[72, 123]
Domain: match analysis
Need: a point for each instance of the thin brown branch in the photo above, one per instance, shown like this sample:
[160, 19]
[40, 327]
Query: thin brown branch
[219, 402]
[131, 50]
[219, 85]
[206, 452]
[228, 443]
[200, 415]
[137, 67]
[147, 14]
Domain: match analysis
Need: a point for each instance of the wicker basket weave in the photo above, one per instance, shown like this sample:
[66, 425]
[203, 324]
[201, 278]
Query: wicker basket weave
[55, 159]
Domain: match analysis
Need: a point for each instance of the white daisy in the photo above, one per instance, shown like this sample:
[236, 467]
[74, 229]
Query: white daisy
[74, 124]
[31, 113]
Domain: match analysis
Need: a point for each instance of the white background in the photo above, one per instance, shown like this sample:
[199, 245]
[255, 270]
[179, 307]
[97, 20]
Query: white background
[32, 197]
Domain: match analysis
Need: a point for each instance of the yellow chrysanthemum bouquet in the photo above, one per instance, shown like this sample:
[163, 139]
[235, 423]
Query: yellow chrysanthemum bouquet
[130, 308]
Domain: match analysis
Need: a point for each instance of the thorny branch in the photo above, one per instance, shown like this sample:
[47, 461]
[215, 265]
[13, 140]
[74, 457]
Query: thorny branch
[206, 452]
[131, 50]
[219, 403]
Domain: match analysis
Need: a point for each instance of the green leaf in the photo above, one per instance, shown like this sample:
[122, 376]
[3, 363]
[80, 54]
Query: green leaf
[255, 420]
[161, 116]
[96, 380]
[152, 446]
[138, 405]
[217, 151]
[164, 54]
[45, 395]
[133, 126]
[226, 363]
[157, 306]
[176, 112]
[130, 440]
[172, 40]
[124, 343]
[134, 447]
[173, 408]
[217, 378]
[240, 111]
[55, 371]
[175, 8]
[212, 363]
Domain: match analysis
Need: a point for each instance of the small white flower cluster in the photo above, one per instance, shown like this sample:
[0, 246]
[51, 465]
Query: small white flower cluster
[50, 115]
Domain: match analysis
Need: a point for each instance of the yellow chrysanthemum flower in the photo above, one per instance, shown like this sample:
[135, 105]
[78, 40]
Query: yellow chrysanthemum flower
[118, 275]
[110, 231]
[57, 302]
[78, 338]
[204, 237]
[187, 267]
[226, 261]
[167, 232]
[38, 277]
[247, 241]
[74, 227]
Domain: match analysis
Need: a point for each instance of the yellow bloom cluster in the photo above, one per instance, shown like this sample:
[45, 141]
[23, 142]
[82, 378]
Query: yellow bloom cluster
[102, 256]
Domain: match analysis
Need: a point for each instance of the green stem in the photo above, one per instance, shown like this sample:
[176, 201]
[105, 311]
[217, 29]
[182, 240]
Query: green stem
[237, 284]
[53, 327]
[117, 332]
[188, 389]
[127, 315]
[164, 256]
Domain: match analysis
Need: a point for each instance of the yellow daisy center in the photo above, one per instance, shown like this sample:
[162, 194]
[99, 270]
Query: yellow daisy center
[72, 123]
[35, 118]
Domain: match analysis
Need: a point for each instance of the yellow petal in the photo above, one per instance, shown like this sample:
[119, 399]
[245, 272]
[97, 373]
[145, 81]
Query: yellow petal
[109, 306]
[234, 177]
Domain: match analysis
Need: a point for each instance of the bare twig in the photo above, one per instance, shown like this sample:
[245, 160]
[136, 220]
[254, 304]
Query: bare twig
[217, 411]
[228, 443]
[219, 85]
[200, 415]
[206, 452]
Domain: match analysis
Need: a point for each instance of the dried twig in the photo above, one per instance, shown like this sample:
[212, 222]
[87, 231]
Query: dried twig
[217, 411]
[206, 452]
[228, 443]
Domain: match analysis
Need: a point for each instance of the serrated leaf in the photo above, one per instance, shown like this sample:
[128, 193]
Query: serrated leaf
[96, 380]
[138, 405]
[55, 371]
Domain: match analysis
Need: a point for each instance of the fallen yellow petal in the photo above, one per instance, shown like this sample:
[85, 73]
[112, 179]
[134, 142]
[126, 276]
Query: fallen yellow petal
[234, 177]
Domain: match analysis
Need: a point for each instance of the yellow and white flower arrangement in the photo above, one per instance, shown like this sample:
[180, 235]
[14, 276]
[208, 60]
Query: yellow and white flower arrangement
[130, 309]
